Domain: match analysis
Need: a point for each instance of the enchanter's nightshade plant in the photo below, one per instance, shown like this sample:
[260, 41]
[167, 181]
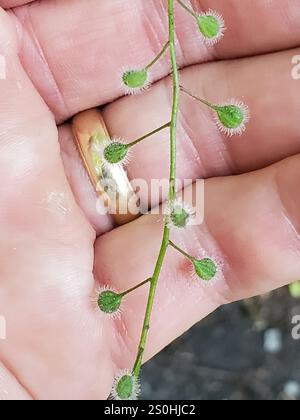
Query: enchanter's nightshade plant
[231, 118]
[135, 81]
[211, 24]
[117, 152]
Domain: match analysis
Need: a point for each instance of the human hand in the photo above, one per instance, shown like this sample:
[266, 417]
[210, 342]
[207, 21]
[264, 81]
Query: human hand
[54, 246]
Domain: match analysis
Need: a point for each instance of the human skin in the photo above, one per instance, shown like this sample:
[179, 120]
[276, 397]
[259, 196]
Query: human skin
[64, 56]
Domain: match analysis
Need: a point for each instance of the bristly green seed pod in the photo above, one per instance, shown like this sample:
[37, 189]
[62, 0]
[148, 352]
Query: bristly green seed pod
[109, 302]
[179, 215]
[232, 118]
[212, 26]
[205, 269]
[125, 387]
[180, 218]
[116, 153]
[135, 81]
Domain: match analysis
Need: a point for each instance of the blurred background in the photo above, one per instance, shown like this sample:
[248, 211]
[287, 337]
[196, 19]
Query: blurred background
[244, 351]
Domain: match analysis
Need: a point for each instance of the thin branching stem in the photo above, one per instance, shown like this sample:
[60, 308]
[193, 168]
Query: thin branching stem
[155, 60]
[135, 288]
[203, 101]
[172, 191]
[188, 9]
[139, 140]
[185, 254]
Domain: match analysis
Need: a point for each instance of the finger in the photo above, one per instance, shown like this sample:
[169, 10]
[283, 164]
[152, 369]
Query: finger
[74, 50]
[80, 184]
[203, 152]
[13, 3]
[10, 389]
[46, 245]
[251, 229]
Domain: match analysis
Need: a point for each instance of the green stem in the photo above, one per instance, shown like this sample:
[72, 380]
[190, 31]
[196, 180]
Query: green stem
[203, 101]
[175, 106]
[135, 288]
[172, 193]
[158, 56]
[189, 257]
[148, 135]
[188, 9]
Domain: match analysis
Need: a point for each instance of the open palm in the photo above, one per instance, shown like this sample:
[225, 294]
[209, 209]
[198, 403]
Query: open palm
[59, 57]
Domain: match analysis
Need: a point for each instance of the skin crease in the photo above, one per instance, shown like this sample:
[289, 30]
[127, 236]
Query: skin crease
[58, 346]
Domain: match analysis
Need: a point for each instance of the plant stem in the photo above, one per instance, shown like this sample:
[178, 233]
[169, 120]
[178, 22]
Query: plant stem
[203, 101]
[148, 135]
[185, 254]
[175, 106]
[135, 288]
[158, 56]
[188, 9]
[172, 192]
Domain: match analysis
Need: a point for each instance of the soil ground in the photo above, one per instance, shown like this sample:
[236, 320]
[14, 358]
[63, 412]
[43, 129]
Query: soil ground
[223, 357]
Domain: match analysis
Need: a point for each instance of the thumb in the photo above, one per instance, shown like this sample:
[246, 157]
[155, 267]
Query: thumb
[39, 219]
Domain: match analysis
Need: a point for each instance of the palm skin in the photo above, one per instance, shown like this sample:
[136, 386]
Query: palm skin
[55, 250]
